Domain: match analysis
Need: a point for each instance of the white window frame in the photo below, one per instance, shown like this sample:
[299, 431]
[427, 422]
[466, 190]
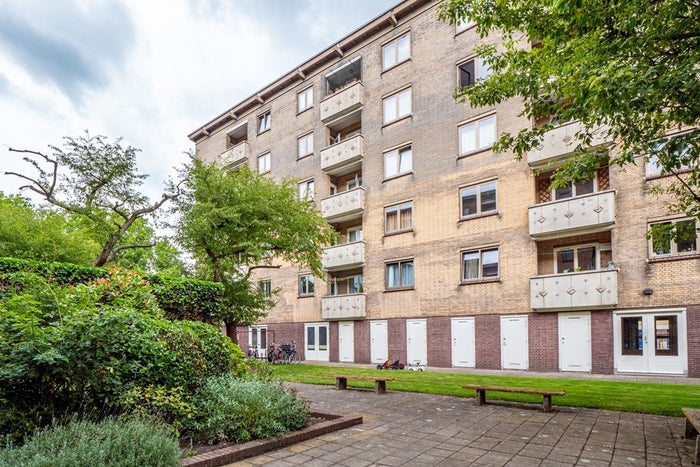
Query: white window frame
[264, 121]
[265, 287]
[481, 71]
[673, 249]
[480, 253]
[575, 249]
[264, 162]
[400, 285]
[401, 154]
[354, 183]
[307, 285]
[305, 99]
[358, 234]
[305, 145]
[392, 106]
[478, 188]
[396, 51]
[574, 194]
[481, 141]
[398, 208]
[306, 189]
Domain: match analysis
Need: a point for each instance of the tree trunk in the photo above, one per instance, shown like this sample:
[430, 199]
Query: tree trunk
[231, 332]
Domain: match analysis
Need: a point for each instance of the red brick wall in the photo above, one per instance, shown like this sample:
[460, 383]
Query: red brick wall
[602, 358]
[543, 341]
[333, 350]
[693, 322]
[396, 328]
[488, 341]
[439, 330]
[362, 342]
[285, 333]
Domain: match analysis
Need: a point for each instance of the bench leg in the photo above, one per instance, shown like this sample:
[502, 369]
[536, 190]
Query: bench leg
[697, 450]
[341, 383]
[547, 402]
[690, 430]
[380, 386]
[480, 397]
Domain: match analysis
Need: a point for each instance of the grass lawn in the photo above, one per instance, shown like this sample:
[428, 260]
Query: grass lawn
[652, 398]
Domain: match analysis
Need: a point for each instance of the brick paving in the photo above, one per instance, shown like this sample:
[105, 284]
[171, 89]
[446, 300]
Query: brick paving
[420, 429]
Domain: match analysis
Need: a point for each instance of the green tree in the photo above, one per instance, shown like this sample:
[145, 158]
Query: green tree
[234, 222]
[98, 182]
[626, 68]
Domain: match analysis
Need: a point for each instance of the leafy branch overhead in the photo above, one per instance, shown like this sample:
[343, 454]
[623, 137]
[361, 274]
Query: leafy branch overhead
[627, 70]
[96, 181]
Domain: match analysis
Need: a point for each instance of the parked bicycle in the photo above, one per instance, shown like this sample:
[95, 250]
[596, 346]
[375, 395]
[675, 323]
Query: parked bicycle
[285, 353]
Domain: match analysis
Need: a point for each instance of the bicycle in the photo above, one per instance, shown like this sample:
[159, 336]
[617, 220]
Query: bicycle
[290, 354]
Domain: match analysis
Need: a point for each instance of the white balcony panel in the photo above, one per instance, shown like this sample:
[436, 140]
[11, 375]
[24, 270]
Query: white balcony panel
[343, 157]
[560, 141]
[573, 216]
[347, 256]
[341, 102]
[339, 307]
[235, 154]
[344, 206]
[585, 290]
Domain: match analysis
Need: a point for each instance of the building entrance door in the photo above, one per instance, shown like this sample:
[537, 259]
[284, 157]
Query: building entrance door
[379, 341]
[316, 347]
[416, 341]
[346, 341]
[514, 343]
[575, 342]
[463, 342]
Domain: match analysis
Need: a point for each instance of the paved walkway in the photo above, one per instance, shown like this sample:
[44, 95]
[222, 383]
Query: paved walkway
[424, 430]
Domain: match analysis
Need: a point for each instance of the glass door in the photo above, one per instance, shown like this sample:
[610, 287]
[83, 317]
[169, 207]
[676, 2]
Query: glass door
[316, 346]
[651, 343]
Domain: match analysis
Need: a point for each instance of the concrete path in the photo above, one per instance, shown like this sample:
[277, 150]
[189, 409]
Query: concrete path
[424, 430]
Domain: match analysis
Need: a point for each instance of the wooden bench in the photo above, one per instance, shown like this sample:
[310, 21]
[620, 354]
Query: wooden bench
[692, 428]
[546, 395]
[341, 382]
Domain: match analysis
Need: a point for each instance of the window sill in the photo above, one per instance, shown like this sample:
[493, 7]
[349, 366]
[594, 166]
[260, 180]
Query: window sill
[401, 119]
[674, 257]
[394, 177]
[479, 216]
[264, 131]
[305, 156]
[398, 232]
[399, 289]
[487, 280]
[395, 65]
[299, 112]
[656, 176]
[474, 153]
[306, 296]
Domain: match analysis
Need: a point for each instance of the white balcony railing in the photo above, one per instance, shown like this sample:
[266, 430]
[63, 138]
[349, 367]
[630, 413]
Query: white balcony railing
[336, 307]
[341, 102]
[574, 291]
[344, 206]
[235, 154]
[343, 157]
[560, 141]
[347, 256]
[572, 216]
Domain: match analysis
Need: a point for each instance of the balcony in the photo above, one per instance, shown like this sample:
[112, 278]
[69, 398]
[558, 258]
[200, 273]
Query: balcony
[574, 291]
[347, 256]
[344, 206]
[560, 141]
[341, 103]
[337, 307]
[235, 154]
[573, 216]
[343, 157]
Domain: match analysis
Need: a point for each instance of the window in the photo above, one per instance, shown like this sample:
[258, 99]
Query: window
[354, 183]
[398, 161]
[478, 199]
[343, 76]
[571, 190]
[265, 288]
[306, 190]
[479, 264]
[674, 238]
[463, 24]
[473, 71]
[477, 135]
[397, 106]
[305, 145]
[399, 274]
[680, 151]
[354, 234]
[396, 51]
[632, 336]
[264, 122]
[306, 285]
[264, 163]
[578, 258]
[346, 285]
[398, 218]
[305, 99]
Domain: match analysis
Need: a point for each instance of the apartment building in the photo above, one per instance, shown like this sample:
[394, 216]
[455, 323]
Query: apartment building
[450, 253]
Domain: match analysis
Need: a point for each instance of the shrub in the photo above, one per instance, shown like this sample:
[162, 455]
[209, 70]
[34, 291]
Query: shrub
[115, 442]
[239, 410]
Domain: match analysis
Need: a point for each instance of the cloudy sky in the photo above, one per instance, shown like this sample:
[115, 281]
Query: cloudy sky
[150, 71]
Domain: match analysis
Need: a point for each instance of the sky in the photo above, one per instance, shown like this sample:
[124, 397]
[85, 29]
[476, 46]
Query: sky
[148, 71]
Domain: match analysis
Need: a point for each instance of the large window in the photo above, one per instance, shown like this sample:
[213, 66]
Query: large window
[306, 285]
[265, 288]
[399, 274]
[264, 122]
[478, 199]
[264, 162]
[584, 187]
[397, 106]
[306, 190]
[398, 161]
[398, 218]
[305, 99]
[396, 51]
[472, 71]
[577, 258]
[674, 238]
[305, 145]
[479, 264]
[478, 135]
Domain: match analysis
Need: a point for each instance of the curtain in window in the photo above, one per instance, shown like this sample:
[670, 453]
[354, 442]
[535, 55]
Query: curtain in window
[407, 274]
[406, 160]
[467, 137]
[392, 275]
[406, 218]
[390, 164]
[565, 260]
[404, 49]
[405, 103]
[587, 259]
[487, 131]
[390, 109]
[470, 265]
[392, 220]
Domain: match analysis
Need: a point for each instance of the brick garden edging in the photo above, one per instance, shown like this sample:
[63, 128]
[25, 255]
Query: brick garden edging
[256, 447]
